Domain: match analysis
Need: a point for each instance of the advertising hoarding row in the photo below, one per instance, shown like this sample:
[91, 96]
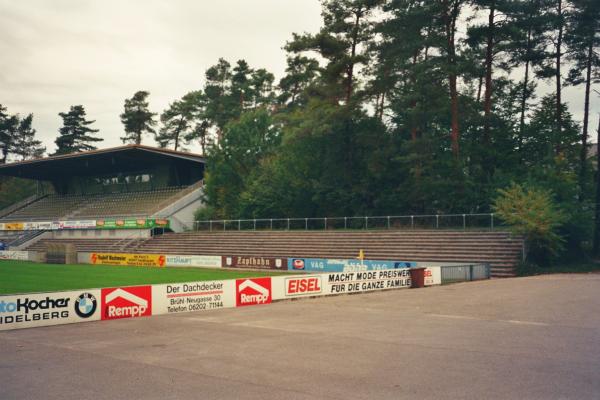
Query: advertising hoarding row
[43, 309]
[125, 223]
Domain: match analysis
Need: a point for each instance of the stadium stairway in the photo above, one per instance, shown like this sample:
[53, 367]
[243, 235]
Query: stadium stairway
[500, 249]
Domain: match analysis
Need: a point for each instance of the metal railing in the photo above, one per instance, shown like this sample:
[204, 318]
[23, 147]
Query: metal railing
[435, 221]
[465, 272]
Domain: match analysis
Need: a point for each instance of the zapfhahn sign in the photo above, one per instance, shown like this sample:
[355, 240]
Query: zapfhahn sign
[254, 262]
[132, 260]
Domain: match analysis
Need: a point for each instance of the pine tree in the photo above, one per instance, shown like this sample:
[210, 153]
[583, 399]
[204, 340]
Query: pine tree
[75, 134]
[136, 118]
[8, 128]
[583, 41]
[178, 120]
[25, 144]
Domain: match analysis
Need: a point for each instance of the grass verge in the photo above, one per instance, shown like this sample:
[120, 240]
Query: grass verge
[29, 277]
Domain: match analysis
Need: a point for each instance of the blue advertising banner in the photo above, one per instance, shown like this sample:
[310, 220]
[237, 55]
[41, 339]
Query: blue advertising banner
[327, 265]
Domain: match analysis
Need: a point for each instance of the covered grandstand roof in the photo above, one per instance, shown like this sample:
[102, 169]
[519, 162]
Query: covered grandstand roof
[96, 162]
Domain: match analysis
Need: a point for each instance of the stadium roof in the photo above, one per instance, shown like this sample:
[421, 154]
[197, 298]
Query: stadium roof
[99, 162]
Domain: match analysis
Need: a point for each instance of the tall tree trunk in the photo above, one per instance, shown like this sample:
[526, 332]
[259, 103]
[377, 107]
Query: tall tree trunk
[479, 89]
[596, 247]
[525, 93]
[558, 73]
[350, 77]
[586, 117]
[450, 32]
[487, 104]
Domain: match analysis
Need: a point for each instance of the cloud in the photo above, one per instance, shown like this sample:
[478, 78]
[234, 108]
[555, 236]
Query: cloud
[61, 53]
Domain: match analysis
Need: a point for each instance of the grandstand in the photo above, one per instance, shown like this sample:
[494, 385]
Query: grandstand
[124, 182]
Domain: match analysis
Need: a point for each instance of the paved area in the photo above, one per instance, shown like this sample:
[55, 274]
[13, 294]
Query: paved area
[525, 338]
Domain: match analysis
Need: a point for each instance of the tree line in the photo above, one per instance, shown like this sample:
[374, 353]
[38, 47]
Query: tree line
[392, 107]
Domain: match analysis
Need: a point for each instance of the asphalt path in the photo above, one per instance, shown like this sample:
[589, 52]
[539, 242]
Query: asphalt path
[522, 338]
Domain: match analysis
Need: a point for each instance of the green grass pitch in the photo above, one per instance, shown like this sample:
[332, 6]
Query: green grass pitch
[29, 277]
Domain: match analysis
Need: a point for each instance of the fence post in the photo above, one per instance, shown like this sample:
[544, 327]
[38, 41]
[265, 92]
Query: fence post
[305, 224]
[325, 223]
[412, 222]
[288, 228]
[254, 224]
[464, 221]
[366, 223]
[271, 223]
[345, 222]
[388, 222]
[437, 221]
[210, 225]
[239, 224]
[224, 224]
[471, 272]
[492, 220]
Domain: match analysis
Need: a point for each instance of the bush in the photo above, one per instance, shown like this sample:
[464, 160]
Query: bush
[533, 214]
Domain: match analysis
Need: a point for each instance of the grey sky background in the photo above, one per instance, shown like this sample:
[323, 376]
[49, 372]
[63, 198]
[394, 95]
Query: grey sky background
[58, 53]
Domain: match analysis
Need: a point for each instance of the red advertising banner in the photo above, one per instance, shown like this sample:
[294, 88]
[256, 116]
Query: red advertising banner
[126, 302]
[250, 292]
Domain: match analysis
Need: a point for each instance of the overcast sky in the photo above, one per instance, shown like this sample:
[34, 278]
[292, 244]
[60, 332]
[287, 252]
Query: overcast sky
[58, 53]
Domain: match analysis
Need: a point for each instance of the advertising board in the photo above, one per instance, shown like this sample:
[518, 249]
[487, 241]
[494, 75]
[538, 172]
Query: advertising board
[13, 226]
[193, 261]
[340, 283]
[193, 296]
[14, 255]
[349, 265]
[254, 262]
[132, 260]
[126, 302]
[253, 291]
[131, 223]
[43, 309]
[83, 224]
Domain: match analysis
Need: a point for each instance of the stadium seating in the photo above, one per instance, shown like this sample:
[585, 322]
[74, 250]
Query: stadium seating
[500, 249]
[129, 204]
[87, 245]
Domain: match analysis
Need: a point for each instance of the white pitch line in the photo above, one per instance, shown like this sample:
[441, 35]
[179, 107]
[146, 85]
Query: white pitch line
[508, 321]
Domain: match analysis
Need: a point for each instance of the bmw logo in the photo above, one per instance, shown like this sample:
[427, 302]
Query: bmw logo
[85, 305]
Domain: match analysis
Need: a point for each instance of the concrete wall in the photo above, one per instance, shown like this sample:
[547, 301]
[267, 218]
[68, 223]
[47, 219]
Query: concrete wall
[181, 213]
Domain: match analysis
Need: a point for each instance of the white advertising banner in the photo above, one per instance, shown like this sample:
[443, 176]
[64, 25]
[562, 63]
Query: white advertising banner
[433, 276]
[80, 224]
[285, 287]
[43, 309]
[193, 261]
[193, 296]
[14, 255]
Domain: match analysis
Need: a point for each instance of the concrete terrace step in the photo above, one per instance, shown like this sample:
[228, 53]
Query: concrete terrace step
[501, 249]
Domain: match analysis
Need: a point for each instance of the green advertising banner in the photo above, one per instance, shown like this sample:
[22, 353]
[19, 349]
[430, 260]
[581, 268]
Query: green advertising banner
[131, 223]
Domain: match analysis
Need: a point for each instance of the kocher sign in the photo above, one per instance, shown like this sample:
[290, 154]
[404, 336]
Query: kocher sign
[254, 262]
